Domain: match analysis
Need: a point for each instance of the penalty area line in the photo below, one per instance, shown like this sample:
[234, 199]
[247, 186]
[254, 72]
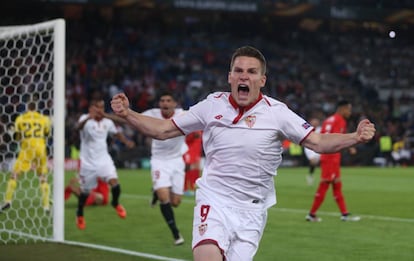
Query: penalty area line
[123, 251]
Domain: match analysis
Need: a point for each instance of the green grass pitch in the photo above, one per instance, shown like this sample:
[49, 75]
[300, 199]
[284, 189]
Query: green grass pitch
[383, 197]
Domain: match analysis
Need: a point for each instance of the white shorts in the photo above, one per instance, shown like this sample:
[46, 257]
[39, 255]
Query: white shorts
[237, 232]
[168, 174]
[88, 177]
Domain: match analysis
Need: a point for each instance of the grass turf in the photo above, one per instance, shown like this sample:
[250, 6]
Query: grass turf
[383, 197]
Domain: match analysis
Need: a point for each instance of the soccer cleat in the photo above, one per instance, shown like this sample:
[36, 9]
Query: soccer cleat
[5, 206]
[309, 180]
[46, 210]
[349, 217]
[313, 218]
[121, 211]
[68, 192]
[80, 222]
[179, 241]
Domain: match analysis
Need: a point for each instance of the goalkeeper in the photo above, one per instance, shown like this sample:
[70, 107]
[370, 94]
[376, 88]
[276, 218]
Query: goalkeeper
[32, 130]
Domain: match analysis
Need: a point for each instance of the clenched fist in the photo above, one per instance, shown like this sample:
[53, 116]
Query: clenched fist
[120, 105]
[365, 130]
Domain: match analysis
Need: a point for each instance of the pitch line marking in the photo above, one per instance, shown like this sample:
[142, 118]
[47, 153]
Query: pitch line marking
[292, 210]
[123, 251]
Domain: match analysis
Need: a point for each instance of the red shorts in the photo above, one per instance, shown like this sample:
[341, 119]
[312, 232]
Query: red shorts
[190, 158]
[330, 170]
[102, 189]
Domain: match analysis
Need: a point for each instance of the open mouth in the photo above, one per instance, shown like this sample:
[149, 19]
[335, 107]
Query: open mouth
[243, 88]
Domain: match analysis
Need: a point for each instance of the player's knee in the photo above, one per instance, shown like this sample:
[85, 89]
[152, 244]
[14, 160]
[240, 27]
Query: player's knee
[99, 199]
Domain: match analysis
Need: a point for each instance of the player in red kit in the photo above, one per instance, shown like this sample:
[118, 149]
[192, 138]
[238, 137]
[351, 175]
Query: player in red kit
[98, 196]
[192, 160]
[331, 166]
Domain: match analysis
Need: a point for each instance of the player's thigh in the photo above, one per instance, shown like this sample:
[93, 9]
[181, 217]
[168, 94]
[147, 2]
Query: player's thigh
[41, 158]
[249, 227]
[210, 225]
[87, 179]
[177, 180]
[107, 172]
[23, 162]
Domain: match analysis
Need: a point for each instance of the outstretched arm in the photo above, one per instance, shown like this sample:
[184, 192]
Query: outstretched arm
[149, 126]
[335, 142]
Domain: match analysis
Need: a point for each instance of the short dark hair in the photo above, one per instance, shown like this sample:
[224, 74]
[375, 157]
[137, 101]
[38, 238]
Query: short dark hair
[95, 101]
[249, 51]
[342, 103]
[162, 93]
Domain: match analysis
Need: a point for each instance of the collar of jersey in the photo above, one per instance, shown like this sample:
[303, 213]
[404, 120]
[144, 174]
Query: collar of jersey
[236, 106]
[241, 109]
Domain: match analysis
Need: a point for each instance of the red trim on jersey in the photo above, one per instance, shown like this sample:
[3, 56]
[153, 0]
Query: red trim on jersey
[242, 110]
[177, 127]
[266, 100]
[218, 96]
[304, 138]
[210, 241]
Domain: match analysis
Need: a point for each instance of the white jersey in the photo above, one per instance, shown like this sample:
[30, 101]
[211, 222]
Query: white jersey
[310, 154]
[243, 148]
[94, 146]
[170, 148]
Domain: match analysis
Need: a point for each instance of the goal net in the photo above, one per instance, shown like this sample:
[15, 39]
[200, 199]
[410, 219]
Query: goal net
[32, 69]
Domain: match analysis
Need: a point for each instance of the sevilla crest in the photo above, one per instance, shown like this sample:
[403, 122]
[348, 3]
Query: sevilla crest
[202, 229]
[250, 120]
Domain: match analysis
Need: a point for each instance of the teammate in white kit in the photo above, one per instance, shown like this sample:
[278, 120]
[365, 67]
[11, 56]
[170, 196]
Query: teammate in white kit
[242, 137]
[95, 160]
[167, 165]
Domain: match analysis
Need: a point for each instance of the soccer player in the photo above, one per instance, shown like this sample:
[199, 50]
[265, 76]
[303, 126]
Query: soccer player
[313, 157]
[243, 132]
[192, 159]
[167, 165]
[97, 196]
[32, 129]
[95, 160]
[331, 166]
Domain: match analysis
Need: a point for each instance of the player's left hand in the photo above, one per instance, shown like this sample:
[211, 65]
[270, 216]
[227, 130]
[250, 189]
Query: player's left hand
[120, 105]
[365, 131]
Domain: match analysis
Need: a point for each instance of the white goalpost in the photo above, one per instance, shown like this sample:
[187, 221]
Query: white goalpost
[32, 67]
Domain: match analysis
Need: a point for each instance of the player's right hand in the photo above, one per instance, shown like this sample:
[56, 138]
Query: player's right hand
[120, 104]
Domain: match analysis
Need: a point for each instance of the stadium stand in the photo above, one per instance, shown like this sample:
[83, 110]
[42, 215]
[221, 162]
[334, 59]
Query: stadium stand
[140, 49]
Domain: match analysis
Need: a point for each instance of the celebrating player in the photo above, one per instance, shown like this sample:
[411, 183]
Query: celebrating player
[167, 165]
[243, 132]
[95, 159]
[32, 129]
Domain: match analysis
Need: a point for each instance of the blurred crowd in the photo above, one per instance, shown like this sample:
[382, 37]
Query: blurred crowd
[145, 52]
[306, 70]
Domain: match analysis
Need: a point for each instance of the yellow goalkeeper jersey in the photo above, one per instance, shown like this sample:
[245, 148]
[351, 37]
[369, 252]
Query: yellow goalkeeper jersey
[33, 128]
